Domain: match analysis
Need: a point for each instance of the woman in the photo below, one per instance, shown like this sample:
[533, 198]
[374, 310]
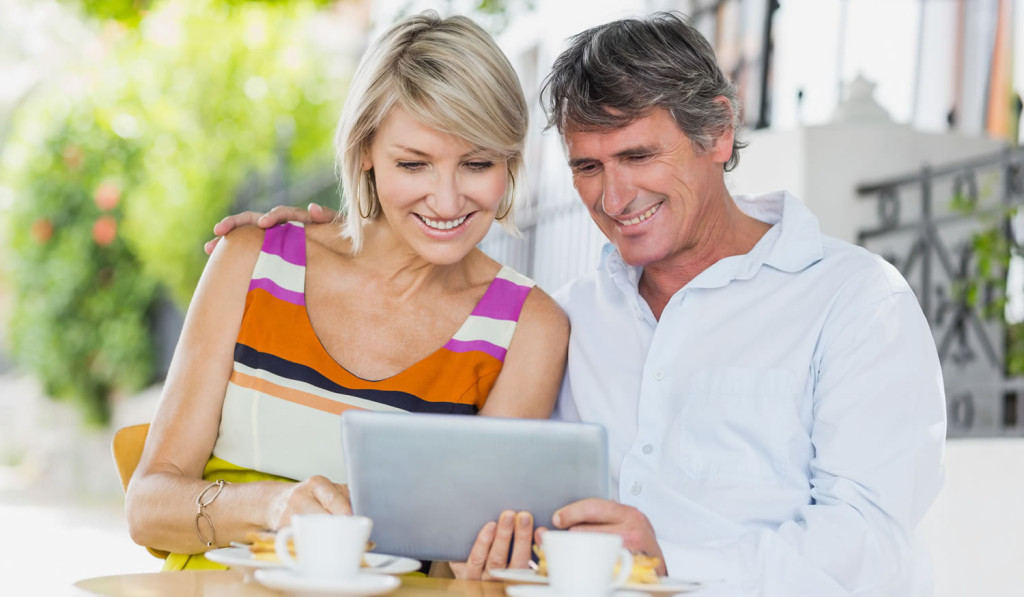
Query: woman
[395, 309]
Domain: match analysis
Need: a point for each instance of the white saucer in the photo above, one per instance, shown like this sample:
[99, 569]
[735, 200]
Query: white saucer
[284, 579]
[665, 585]
[546, 591]
[239, 557]
[376, 563]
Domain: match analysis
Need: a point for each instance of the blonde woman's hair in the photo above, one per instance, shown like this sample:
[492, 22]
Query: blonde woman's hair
[450, 75]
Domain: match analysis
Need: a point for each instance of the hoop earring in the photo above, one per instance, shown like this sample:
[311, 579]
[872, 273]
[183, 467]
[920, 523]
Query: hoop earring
[502, 216]
[373, 189]
[510, 195]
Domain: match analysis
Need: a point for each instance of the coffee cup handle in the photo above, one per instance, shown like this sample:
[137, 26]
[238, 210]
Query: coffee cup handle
[281, 546]
[625, 567]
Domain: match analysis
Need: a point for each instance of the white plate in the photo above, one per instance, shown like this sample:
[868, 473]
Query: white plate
[546, 591]
[376, 563]
[666, 584]
[382, 563]
[239, 557]
[283, 579]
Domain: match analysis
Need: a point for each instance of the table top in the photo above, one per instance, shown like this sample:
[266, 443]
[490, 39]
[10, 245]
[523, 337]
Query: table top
[231, 583]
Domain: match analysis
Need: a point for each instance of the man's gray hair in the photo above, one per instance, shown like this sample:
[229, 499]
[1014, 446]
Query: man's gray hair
[612, 74]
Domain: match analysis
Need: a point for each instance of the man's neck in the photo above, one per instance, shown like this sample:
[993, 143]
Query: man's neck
[662, 279]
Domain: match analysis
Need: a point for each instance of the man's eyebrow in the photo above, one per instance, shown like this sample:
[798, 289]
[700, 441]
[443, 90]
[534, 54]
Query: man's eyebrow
[577, 162]
[635, 151]
[629, 152]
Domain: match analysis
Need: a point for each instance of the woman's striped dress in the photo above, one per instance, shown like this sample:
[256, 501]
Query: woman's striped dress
[282, 403]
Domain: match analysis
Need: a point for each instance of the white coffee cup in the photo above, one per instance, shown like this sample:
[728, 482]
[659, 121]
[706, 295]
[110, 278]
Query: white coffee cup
[327, 546]
[582, 564]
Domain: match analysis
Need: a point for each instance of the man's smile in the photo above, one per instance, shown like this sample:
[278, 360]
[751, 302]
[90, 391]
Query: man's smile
[639, 217]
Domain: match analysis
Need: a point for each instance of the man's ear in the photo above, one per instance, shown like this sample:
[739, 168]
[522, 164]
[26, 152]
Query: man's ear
[721, 151]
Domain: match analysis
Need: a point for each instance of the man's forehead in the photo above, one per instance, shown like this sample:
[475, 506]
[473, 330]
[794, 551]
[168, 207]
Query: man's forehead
[642, 132]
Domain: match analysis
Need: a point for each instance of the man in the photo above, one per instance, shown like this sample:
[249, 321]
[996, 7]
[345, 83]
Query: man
[773, 398]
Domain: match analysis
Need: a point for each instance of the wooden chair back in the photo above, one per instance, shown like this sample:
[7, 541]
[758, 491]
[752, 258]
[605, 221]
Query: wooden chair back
[127, 448]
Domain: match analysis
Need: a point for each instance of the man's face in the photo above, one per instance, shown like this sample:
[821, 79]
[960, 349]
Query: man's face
[649, 192]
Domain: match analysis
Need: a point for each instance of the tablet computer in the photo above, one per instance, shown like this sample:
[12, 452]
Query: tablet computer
[430, 482]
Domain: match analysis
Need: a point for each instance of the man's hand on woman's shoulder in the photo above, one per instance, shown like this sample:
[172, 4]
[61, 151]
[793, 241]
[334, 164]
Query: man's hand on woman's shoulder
[313, 214]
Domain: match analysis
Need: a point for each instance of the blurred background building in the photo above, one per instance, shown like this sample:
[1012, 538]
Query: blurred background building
[127, 128]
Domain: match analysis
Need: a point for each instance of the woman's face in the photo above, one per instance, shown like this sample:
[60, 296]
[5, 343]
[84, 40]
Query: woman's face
[438, 192]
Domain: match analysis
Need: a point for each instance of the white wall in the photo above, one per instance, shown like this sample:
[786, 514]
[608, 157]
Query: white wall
[975, 529]
[822, 165]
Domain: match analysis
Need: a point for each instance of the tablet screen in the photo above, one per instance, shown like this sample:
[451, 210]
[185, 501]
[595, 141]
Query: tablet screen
[430, 482]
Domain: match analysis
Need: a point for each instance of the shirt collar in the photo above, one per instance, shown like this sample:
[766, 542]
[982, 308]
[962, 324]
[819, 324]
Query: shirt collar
[792, 244]
[798, 244]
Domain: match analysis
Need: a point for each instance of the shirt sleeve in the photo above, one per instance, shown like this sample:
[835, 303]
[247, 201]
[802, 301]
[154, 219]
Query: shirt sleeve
[878, 436]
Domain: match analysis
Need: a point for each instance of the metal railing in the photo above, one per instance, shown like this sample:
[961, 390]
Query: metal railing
[933, 226]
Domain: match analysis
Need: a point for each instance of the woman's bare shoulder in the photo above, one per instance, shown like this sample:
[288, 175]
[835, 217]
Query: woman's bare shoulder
[243, 240]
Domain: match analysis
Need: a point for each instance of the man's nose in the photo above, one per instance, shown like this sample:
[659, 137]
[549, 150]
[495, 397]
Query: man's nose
[618, 192]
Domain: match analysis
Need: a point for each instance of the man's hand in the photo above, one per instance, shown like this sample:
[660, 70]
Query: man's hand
[313, 214]
[512, 534]
[605, 516]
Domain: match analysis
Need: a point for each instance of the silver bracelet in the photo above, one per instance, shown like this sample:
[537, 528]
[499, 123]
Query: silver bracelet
[202, 501]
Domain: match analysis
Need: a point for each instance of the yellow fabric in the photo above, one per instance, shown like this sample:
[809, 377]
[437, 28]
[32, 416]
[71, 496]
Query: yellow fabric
[217, 468]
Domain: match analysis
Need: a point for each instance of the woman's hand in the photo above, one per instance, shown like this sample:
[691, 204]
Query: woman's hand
[313, 214]
[315, 495]
[511, 534]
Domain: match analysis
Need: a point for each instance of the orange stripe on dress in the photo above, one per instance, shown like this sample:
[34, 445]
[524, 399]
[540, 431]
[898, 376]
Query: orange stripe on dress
[440, 377]
[289, 394]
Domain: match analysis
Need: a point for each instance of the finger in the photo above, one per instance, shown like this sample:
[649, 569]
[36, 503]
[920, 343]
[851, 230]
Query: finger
[231, 222]
[538, 535]
[211, 245]
[321, 214]
[301, 501]
[284, 213]
[329, 496]
[522, 541]
[497, 557]
[587, 511]
[474, 567]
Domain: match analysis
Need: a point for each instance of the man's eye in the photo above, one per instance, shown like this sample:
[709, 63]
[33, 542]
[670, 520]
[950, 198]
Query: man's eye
[639, 157]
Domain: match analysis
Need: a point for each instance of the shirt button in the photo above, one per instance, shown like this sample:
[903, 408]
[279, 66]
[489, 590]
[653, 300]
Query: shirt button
[648, 449]
[636, 488]
[659, 375]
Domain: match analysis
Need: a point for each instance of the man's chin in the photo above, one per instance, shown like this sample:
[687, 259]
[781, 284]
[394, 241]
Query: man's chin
[636, 256]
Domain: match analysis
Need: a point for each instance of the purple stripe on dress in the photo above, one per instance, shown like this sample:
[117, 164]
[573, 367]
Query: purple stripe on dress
[287, 242]
[481, 345]
[296, 298]
[503, 300]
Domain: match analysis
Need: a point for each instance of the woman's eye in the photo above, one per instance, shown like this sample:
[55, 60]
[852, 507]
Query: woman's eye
[412, 166]
[481, 165]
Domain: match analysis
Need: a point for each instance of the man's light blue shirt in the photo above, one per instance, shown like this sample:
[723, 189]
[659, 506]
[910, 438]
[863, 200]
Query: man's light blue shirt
[782, 424]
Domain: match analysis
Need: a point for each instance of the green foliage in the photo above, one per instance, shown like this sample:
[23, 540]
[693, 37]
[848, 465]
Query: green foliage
[986, 289]
[213, 93]
[130, 12]
[79, 317]
[120, 170]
